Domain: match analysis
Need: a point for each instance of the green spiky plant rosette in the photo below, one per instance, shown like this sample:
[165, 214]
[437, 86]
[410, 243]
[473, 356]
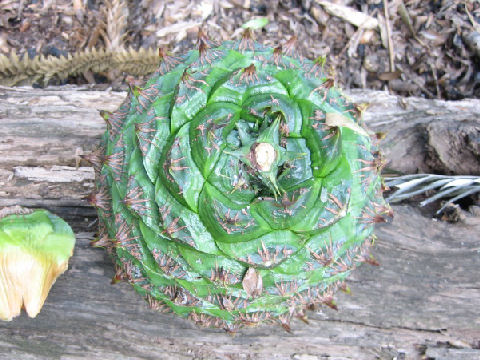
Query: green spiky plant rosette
[238, 186]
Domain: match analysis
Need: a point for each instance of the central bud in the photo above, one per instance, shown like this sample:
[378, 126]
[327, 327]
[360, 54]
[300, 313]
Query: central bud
[264, 156]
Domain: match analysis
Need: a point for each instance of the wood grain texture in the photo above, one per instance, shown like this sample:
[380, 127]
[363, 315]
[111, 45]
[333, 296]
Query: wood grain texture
[44, 131]
[423, 299]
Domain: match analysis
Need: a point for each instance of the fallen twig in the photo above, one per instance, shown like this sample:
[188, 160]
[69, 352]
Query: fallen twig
[389, 36]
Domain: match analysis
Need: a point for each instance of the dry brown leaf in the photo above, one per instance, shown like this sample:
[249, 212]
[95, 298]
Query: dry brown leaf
[383, 31]
[252, 283]
[389, 75]
[241, 3]
[3, 42]
[434, 37]
[339, 120]
[405, 16]
[367, 37]
[177, 28]
[203, 9]
[78, 5]
[354, 17]
[473, 42]
[226, 4]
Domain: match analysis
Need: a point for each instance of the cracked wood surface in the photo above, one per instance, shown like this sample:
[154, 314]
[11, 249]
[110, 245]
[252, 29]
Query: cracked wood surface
[424, 295]
[424, 299]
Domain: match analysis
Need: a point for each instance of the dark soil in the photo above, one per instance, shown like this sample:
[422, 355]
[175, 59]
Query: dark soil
[435, 53]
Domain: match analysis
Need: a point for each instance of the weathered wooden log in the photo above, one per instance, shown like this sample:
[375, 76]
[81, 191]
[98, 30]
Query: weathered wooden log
[43, 133]
[424, 299]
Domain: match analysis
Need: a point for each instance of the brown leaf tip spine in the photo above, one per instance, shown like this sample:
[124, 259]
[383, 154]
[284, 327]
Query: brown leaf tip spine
[249, 74]
[247, 41]
[289, 47]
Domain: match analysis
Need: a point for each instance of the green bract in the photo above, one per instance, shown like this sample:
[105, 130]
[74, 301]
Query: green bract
[237, 186]
[34, 250]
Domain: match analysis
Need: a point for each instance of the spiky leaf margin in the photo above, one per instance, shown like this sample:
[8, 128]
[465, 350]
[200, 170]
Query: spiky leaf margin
[199, 223]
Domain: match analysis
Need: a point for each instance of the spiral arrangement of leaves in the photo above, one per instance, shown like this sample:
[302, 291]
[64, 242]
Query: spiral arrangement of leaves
[238, 186]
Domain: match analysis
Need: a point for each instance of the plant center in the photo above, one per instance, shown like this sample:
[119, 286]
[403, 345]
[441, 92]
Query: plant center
[264, 156]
